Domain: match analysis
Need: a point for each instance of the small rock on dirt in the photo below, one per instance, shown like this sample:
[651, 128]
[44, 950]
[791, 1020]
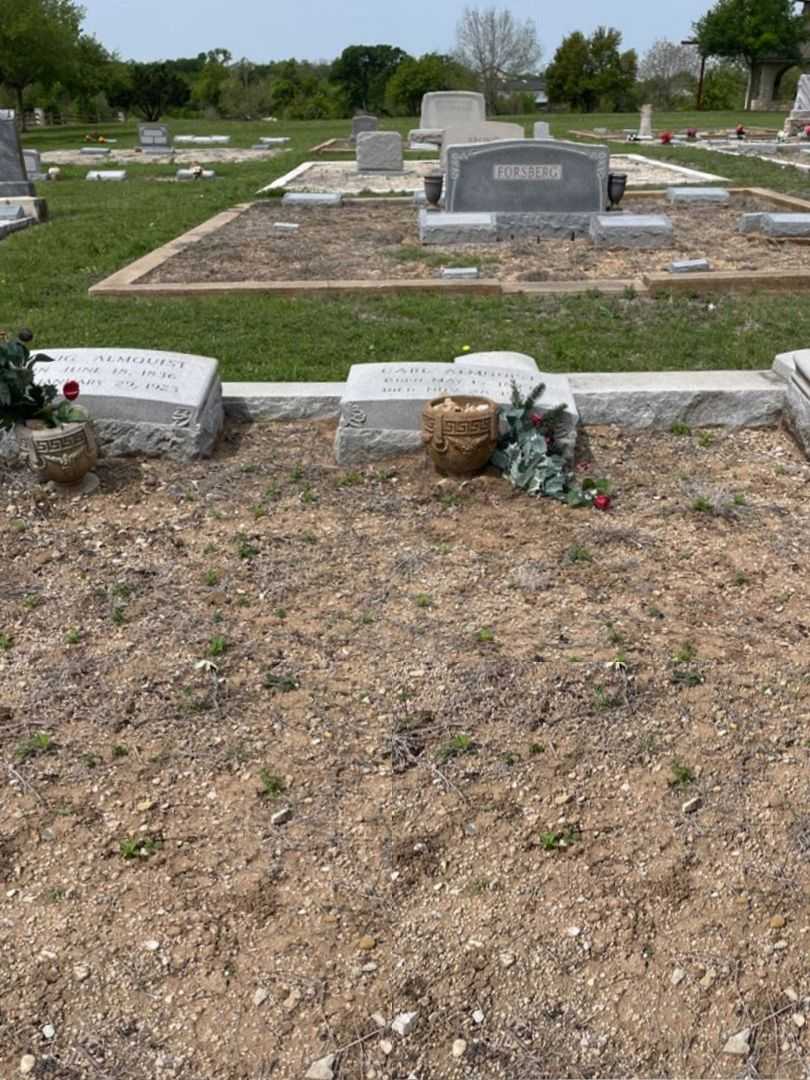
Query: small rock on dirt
[478, 1016]
[692, 805]
[260, 996]
[739, 1045]
[403, 1024]
[386, 1047]
[27, 1064]
[281, 817]
[799, 1020]
[677, 977]
[507, 959]
[322, 1069]
[81, 972]
[777, 922]
[459, 1048]
[366, 943]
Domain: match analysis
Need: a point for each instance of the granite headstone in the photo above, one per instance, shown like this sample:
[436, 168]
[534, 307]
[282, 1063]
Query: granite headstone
[155, 138]
[362, 123]
[379, 151]
[527, 176]
[380, 411]
[452, 108]
[13, 176]
[487, 131]
[143, 401]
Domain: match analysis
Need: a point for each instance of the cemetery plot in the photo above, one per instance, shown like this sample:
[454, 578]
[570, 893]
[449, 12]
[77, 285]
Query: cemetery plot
[344, 176]
[290, 745]
[186, 156]
[374, 242]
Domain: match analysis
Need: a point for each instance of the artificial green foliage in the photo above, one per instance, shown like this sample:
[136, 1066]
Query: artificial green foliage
[20, 397]
[528, 451]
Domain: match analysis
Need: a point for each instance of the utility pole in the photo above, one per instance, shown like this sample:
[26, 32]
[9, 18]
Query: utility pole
[702, 78]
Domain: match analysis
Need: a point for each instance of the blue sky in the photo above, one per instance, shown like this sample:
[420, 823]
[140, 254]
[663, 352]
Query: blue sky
[319, 29]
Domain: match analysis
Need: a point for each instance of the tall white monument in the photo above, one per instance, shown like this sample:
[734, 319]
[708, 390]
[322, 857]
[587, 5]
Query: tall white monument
[800, 113]
[645, 131]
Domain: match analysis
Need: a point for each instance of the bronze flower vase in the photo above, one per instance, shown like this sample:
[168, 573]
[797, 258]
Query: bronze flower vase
[62, 456]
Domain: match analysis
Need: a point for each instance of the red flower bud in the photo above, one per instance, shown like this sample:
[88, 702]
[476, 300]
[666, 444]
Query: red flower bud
[70, 390]
[602, 502]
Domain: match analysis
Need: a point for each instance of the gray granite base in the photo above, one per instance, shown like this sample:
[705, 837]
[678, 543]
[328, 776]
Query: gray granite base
[797, 411]
[357, 447]
[8, 227]
[652, 399]
[697, 196]
[438, 227]
[785, 224]
[631, 231]
[312, 198]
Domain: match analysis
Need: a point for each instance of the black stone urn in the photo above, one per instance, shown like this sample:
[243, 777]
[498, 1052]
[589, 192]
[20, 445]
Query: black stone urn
[434, 182]
[617, 183]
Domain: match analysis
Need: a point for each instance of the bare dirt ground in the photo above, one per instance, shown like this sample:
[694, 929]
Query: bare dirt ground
[370, 242]
[484, 721]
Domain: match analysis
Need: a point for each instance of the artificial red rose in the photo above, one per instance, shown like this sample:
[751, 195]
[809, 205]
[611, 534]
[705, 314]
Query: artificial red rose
[536, 419]
[666, 137]
[602, 502]
[70, 390]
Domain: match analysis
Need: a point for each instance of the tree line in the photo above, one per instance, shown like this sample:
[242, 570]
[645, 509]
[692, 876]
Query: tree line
[48, 60]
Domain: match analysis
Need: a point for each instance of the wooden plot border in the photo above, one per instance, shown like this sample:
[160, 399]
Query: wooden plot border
[128, 282]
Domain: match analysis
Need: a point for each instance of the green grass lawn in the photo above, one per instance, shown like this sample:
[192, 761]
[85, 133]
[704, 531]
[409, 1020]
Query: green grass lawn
[96, 229]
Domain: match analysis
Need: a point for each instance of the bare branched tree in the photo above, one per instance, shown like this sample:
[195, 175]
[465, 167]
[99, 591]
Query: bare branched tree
[669, 71]
[496, 46]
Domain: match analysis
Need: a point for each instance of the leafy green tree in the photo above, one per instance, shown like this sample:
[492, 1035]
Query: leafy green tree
[210, 82]
[363, 71]
[613, 73]
[725, 86]
[156, 88]
[415, 78]
[567, 76]
[590, 73]
[750, 30]
[38, 41]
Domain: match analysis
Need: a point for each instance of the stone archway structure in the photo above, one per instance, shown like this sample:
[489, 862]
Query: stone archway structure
[766, 75]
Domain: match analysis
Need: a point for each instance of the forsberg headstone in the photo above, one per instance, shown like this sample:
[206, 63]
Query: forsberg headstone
[527, 176]
[144, 401]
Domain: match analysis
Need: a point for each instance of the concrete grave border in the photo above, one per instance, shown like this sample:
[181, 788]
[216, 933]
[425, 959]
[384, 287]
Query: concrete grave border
[127, 281]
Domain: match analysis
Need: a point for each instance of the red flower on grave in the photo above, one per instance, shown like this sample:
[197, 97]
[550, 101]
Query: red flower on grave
[807, 131]
[666, 137]
[602, 502]
[70, 390]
